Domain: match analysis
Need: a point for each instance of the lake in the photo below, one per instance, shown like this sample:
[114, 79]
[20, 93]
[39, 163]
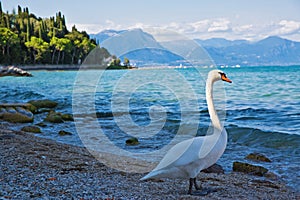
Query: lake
[260, 110]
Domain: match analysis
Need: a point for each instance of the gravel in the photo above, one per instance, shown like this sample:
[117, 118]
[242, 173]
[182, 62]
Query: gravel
[38, 168]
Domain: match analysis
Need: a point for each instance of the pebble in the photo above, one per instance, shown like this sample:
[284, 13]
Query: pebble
[24, 175]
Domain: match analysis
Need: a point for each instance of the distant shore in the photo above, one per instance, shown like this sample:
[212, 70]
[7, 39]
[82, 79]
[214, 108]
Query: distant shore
[67, 67]
[37, 168]
[77, 67]
[49, 67]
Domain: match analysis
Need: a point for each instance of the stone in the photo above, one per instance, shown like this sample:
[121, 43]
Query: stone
[67, 117]
[215, 168]
[32, 129]
[54, 117]
[13, 71]
[257, 157]
[132, 141]
[249, 169]
[271, 175]
[62, 133]
[41, 124]
[45, 103]
[16, 113]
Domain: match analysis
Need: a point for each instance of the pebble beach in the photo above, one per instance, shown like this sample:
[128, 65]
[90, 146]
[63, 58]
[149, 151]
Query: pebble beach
[39, 168]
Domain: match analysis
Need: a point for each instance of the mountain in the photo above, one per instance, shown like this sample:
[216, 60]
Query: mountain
[269, 51]
[103, 35]
[220, 42]
[272, 50]
[139, 47]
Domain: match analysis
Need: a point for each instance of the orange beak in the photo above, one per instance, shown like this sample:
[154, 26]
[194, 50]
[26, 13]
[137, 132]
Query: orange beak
[224, 78]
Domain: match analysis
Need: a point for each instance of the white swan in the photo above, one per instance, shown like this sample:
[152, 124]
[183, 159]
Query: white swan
[187, 158]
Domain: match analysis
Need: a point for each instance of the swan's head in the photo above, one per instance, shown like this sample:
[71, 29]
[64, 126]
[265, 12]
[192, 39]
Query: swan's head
[217, 75]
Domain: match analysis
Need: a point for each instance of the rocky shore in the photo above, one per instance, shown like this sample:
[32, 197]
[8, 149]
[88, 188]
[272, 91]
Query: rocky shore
[37, 168]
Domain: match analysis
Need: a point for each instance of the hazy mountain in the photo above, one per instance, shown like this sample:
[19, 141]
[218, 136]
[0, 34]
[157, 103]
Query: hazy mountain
[153, 57]
[103, 35]
[269, 51]
[138, 46]
[220, 42]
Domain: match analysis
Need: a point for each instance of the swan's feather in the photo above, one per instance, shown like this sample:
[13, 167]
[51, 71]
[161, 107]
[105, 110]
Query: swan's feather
[188, 157]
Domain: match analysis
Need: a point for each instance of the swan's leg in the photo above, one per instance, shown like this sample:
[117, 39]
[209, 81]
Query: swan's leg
[191, 186]
[197, 187]
[193, 182]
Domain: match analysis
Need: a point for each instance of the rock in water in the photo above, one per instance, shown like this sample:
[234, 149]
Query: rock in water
[44, 103]
[54, 117]
[249, 169]
[257, 157]
[13, 71]
[67, 117]
[16, 113]
[62, 133]
[132, 141]
[31, 129]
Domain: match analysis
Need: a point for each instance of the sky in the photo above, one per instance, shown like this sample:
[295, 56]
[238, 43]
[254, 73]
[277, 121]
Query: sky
[231, 19]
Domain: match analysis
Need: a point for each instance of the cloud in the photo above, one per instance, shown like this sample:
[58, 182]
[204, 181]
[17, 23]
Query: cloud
[208, 28]
[288, 27]
[220, 25]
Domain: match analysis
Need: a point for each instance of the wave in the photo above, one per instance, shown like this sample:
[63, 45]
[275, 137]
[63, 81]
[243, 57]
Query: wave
[11, 95]
[258, 138]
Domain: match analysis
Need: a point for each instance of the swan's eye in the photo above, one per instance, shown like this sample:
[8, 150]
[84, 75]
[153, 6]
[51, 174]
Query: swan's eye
[223, 74]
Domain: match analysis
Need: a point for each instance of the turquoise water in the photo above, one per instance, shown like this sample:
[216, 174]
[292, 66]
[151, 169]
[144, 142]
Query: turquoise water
[262, 108]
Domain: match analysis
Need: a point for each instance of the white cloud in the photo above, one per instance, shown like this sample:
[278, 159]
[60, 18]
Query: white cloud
[219, 25]
[288, 27]
[243, 28]
[208, 28]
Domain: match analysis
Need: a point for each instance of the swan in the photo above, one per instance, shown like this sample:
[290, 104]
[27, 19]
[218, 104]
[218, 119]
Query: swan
[187, 158]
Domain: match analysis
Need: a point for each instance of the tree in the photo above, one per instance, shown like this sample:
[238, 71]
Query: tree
[126, 62]
[8, 40]
[38, 46]
[61, 45]
[27, 39]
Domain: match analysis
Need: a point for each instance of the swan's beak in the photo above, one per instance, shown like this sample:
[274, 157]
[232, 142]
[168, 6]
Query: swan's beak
[224, 78]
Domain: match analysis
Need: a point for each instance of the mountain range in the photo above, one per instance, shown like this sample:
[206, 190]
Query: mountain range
[272, 50]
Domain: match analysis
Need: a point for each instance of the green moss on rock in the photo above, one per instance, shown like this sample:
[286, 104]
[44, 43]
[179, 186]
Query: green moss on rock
[132, 141]
[45, 103]
[32, 129]
[67, 117]
[258, 157]
[62, 133]
[54, 117]
[249, 169]
[15, 113]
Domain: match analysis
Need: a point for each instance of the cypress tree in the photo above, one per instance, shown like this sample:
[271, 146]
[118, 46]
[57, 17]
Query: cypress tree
[19, 10]
[1, 12]
[28, 30]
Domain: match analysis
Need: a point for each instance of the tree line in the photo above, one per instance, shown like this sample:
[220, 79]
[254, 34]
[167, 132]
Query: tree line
[28, 39]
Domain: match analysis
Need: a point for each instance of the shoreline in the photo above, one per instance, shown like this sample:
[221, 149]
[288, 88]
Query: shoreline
[35, 168]
[63, 67]
[49, 67]
[67, 67]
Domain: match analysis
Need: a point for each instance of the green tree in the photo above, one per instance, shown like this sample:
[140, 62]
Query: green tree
[39, 48]
[60, 45]
[8, 40]
[126, 62]
[26, 39]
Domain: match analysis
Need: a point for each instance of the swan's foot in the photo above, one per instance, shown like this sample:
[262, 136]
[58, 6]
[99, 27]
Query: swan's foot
[193, 182]
[200, 191]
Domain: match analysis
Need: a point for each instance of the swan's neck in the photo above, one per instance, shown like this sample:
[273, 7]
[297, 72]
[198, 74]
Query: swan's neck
[210, 104]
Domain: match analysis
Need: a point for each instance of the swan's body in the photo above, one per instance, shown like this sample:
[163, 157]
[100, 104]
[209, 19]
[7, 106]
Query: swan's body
[187, 158]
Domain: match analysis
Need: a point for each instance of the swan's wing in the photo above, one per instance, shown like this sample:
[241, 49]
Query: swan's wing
[186, 152]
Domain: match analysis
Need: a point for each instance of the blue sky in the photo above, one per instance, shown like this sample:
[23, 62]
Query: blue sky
[231, 19]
